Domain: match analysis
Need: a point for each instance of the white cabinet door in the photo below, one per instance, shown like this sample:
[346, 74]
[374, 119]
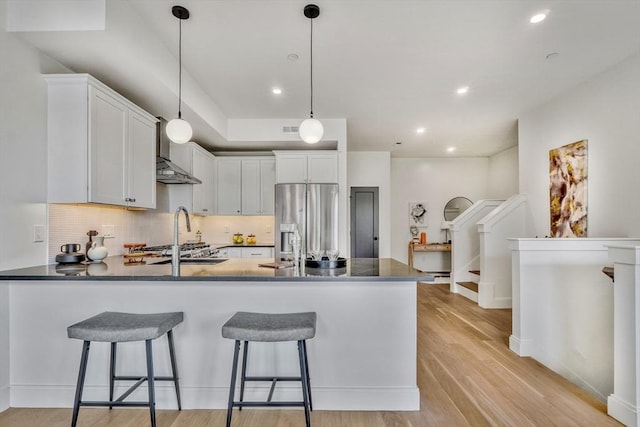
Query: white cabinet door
[203, 194]
[322, 168]
[233, 252]
[141, 162]
[229, 186]
[107, 138]
[267, 186]
[306, 166]
[291, 168]
[259, 252]
[251, 187]
[101, 147]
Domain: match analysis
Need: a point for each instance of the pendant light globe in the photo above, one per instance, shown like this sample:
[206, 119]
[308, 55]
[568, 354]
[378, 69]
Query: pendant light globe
[179, 131]
[311, 130]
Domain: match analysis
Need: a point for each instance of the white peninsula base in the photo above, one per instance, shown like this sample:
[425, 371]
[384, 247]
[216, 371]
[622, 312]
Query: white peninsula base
[362, 358]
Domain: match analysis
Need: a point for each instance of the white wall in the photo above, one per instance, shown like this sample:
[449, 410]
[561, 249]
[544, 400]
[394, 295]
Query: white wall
[503, 174]
[373, 169]
[433, 181]
[23, 150]
[606, 112]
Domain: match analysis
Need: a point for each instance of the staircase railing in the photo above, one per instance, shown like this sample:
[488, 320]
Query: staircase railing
[512, 219]
[465, 245]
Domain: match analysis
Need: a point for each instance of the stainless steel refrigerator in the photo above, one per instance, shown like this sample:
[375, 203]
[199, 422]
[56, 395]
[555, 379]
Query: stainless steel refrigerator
[313, 210]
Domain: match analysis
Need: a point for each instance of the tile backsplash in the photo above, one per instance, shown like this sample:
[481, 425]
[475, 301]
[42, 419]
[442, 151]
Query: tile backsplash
[69, 223]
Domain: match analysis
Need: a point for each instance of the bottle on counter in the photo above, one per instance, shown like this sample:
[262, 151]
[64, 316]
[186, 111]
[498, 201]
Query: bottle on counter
[198, 236]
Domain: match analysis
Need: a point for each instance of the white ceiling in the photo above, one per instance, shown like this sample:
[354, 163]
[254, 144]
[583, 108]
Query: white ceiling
[387, 66]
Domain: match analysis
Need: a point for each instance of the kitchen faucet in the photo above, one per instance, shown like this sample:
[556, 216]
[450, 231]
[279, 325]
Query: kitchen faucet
[175, 251]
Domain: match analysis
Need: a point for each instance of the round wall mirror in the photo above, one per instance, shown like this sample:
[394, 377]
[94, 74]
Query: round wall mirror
[455, 207]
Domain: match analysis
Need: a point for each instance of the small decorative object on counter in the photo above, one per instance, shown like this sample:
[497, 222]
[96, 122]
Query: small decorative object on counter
[238, 238]
[91, 234]
[198, 236]
[251, 239]
[98, 250]
[423, 238]
[136, 253]
[70, 254]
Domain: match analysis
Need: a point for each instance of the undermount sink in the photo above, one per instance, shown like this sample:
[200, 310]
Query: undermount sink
[201, 261]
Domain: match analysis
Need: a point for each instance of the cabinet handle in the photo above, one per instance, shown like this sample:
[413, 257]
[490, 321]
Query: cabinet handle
[129, 199]
[205, 210]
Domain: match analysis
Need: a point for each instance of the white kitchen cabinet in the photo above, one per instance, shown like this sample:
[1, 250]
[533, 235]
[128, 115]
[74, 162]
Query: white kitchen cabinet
[197, 198]
[204, 167]
[258, 191]
[306, 166]
[246, 185]
[257, 252]
[101, 147]
[229, 186]
[246, 252]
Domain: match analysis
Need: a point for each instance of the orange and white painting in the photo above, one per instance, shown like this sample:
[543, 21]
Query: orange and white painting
[568, 190]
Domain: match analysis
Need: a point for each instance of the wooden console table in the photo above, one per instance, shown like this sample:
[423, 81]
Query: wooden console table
[431, 247]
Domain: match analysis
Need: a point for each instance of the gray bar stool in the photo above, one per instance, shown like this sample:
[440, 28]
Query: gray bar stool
[124, 327]
[264, 327]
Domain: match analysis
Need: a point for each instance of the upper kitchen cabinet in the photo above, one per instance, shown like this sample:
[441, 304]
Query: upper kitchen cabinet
[306, 166]
[258, 186]
[229, 185]
[101, 147]
[197, 198]
[246, 185]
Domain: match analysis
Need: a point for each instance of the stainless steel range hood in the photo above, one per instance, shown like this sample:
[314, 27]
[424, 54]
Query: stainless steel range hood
[168, 172]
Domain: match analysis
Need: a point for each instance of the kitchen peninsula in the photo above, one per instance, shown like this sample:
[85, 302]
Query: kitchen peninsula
[363, 356]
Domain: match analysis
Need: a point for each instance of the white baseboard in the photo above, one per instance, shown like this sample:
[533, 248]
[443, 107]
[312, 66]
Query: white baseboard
[622, 411]
[468, 293]
[338, 399]
[4, 399]
[520, 347]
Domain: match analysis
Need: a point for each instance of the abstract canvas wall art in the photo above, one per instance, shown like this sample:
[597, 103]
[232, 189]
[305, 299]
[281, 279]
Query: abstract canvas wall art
[568, 190]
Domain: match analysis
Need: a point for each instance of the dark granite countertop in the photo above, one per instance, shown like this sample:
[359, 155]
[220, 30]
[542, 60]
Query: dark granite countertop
[116, 268]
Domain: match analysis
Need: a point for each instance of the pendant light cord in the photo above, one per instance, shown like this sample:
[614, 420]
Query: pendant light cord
[311, 38]
[180, 70]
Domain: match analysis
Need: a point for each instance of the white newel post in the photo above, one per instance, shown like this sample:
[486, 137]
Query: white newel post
[623, 403]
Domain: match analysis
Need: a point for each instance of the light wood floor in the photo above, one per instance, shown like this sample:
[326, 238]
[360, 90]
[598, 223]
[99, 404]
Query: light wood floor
[466, 373]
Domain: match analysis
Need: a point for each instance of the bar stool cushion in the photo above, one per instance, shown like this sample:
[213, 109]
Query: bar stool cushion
[122, 327]
[266, 327]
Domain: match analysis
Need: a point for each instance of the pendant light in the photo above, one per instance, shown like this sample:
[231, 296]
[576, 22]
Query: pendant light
[178, 130]
[311, 130]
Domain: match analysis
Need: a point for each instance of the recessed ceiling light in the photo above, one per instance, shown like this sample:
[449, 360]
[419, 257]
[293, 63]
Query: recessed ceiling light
[292, 57]
[539, 17]
[462, 90]
[276, 91]
[451, 149]
[420, 130]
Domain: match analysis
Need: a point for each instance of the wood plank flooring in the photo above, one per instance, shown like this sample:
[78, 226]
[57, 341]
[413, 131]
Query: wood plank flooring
[466, 373]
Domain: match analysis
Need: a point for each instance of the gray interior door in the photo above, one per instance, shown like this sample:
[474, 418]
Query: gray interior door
[364, 222]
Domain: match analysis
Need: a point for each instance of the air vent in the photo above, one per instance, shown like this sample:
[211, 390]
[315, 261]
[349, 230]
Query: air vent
[290, 129]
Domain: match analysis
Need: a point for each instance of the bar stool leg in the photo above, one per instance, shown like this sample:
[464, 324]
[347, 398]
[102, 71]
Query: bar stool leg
[150, 383]
[305, 386]
[306, 366]
[234, 372]
[80, 385]
[174, 367]
[243, 374]
[112, 372]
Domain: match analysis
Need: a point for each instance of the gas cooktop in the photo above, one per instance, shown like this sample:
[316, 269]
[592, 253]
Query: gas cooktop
[187, 250]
